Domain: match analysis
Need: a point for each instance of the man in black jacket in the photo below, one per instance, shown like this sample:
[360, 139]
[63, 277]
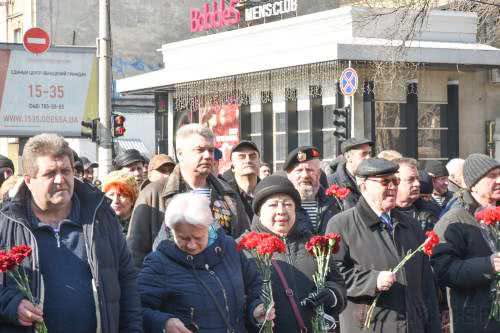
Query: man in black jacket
[6, 168]
[465, 261]
[355, 151]
[375, 238]
[80, 269]
[244, 173]
[440, 194]
[303, 169]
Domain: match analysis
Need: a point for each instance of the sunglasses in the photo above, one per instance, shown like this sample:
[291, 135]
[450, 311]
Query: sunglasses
[386, 181]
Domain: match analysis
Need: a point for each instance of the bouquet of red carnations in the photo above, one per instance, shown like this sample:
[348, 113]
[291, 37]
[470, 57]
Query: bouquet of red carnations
[489, 220]
[427, 246]
[10, 263]
[339, 193]
[263, 246]
[321, 248]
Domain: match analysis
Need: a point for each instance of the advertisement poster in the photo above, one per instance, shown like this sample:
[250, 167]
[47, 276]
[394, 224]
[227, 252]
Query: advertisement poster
[52, 92]
[224, 121]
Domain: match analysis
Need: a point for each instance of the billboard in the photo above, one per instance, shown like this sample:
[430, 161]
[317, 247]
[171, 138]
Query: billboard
[223, 120]
[52, 92]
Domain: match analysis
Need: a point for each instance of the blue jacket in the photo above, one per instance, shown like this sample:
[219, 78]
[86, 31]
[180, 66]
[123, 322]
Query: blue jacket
[173, 284]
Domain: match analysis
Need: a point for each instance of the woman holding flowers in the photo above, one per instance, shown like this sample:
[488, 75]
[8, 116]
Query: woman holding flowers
[198, 282]
[275, 204]
[467, 261]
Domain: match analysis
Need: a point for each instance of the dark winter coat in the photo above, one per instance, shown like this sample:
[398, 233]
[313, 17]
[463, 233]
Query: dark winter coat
[462, 264]
[342, 178]
[111, 265]
[170, 287]
[366, 249]
[421, 212]
[229, 178]
[149, 211]
[327, 208]
[298, 266]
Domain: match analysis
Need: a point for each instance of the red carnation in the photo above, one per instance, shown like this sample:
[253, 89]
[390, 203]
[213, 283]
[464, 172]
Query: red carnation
[7, 262]
[336, 239]
[336, 191]
[19, 253]
[431, 241]
[323, 244]
[269, 245]
[489, 216]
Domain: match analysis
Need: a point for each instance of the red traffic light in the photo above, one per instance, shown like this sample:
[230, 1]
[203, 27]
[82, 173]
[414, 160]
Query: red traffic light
[120, 131]
[119, 120]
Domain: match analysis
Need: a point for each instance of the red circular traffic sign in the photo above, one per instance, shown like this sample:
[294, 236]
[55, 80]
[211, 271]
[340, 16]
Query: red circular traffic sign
[36, 40]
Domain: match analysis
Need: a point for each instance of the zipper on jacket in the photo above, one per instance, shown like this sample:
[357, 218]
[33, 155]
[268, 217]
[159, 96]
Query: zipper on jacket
[58, 238]
[226, 303]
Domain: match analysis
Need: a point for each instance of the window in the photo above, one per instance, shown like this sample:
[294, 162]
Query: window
[432, 131]
[390, 126]
[18, 36]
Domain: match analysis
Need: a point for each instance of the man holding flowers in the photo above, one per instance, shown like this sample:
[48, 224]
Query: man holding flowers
[375, 238]
[466, 261]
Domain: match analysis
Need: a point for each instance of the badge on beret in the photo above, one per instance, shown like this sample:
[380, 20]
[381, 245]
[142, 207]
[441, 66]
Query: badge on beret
[315, 153]
[301, 156]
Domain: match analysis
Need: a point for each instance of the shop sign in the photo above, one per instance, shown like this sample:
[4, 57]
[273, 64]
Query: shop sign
[270, 9]
[218, 16]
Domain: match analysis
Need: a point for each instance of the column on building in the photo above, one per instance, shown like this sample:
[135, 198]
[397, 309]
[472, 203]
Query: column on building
[329, 101]
[279, 127]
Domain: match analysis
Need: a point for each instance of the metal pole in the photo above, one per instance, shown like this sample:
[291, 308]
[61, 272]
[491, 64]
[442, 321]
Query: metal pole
[104, 56]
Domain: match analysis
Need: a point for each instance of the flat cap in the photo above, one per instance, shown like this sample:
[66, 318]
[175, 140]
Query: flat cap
[6, 162]
[245, 144]
[436, 169]
[87, 164]
[159, 160]
[353, 143]
[374, 167]
[300, 154]
[127, 157]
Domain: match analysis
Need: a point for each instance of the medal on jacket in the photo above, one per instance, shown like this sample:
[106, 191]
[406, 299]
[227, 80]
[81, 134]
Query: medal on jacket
[222, 214]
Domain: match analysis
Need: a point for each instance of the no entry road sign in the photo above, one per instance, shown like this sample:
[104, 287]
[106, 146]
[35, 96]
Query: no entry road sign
[348, 82]
[36, 41]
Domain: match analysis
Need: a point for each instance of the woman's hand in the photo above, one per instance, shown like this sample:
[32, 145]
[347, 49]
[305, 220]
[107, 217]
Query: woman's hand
[259, 313]
[174, 325]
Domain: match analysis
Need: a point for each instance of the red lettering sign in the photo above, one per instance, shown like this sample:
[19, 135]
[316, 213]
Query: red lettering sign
[219, 17]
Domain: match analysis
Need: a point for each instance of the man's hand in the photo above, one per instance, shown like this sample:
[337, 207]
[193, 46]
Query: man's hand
[259, 313]
[385, 280]
[495, 262]
[28, 314]
[174, 325]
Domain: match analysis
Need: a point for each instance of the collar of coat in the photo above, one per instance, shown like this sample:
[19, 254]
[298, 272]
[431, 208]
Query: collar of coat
[345, 179]
[175, 181]
[371, 219]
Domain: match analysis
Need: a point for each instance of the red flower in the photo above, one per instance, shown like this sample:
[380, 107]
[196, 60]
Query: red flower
[270, 245]
[489, 216]
[431, 241]
[323, 244]
[337, 191]
[19, 253]
[253, 240]
[7, 262]
[333, 237]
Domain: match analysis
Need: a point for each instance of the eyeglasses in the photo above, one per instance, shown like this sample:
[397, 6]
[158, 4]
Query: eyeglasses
[386, 181]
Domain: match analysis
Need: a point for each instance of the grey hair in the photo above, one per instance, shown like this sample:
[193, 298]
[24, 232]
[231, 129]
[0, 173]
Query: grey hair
[191, 208]
[411, 162]
[455, 166]
[188, 130]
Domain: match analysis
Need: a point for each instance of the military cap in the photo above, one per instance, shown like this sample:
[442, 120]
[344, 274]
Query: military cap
[127, 157]
[6, 162]
[300, 154]
[436, 169]
[374, 167]
[352, 143]
[245, 144]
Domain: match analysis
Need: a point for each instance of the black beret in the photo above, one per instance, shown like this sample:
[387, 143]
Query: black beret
[127, 157]
[245, 144]
[352, 143]
[374, 167]
[6, 162]
[300, 154]
[436, 169]
[271, 185]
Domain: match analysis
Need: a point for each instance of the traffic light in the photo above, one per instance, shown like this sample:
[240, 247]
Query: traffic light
[93, 125]
[118, 125]
[342, 123]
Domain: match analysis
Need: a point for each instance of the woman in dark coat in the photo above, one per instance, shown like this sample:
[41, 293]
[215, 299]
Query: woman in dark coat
[198, 281]
[275, 204]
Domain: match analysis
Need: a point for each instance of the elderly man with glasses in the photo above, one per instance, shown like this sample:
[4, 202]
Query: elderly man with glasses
[375, 237]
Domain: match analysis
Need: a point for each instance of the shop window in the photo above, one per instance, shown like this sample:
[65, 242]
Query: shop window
[281, 143]
[304, 120]
[432, 131]
[256, 128]
[390, 126]
[280, 122]
[304, 138]
[18, 35]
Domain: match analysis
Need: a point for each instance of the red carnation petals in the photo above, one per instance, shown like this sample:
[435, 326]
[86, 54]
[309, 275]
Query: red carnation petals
[431, 242]
[336, 191]
[489, 216]
[323, 243]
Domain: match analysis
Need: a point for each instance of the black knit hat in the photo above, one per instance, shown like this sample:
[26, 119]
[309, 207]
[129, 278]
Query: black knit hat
[127, 157]
[6, 162]
[476, 166]
[436, 169]
[272, 185]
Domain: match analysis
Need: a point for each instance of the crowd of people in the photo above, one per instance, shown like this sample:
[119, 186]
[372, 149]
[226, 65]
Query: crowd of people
[152, 247]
